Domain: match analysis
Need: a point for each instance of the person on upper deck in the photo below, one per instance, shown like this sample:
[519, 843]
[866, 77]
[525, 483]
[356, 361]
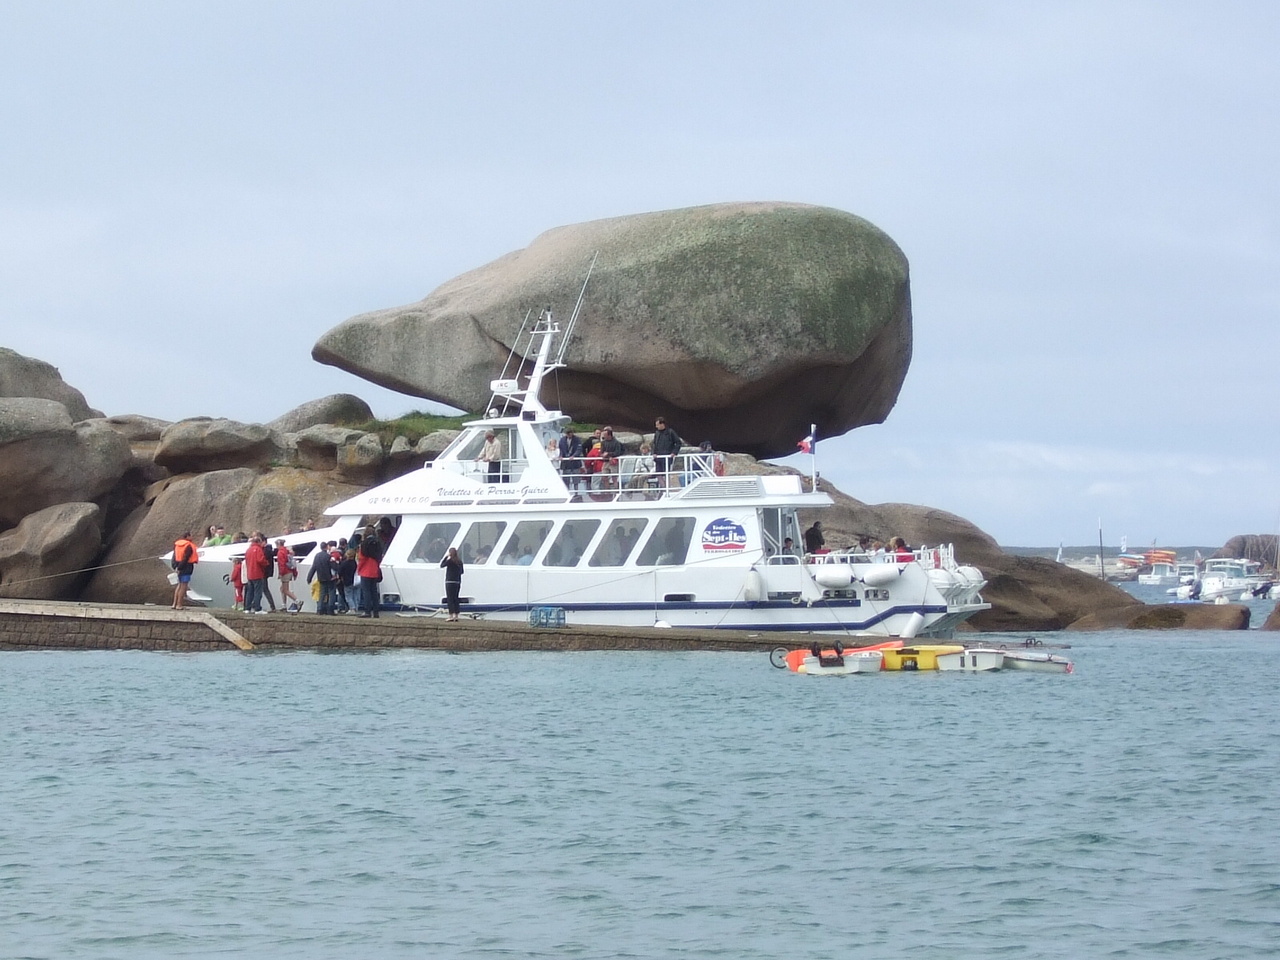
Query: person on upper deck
[902, 553]
[610, 451]
[813, 538]
[571, 459]
[492, 455]
[666, 446]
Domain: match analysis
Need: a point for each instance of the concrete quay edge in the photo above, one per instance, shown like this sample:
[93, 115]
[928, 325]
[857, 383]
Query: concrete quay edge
[75, 625]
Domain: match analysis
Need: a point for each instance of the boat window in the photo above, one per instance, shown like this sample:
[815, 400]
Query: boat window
[480, 540]
[568, 547]
[433, 543]
[669, 543]
[618, 543]
[526, 540]
[469, 445]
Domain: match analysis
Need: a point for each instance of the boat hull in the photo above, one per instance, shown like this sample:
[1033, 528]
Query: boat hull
[1037, 662]
[795, 659]
[864, 661]
[972, 660]
[918, 657]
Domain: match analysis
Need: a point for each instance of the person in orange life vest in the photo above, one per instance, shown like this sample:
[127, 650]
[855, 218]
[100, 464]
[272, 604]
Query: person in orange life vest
[287, 572]
[255, 574]
[185, 558]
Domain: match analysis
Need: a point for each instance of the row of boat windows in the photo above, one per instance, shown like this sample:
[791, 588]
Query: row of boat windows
[486, 541]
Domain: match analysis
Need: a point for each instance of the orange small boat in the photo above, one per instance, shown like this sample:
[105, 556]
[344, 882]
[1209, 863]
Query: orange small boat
[792, 659]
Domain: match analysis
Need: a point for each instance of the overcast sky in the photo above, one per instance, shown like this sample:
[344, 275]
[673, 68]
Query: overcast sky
[192, 193]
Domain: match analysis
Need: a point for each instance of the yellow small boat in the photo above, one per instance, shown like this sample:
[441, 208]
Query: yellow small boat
[923, 656]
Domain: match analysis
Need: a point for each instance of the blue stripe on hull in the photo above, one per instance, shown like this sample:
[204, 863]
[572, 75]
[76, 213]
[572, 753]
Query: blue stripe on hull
[665, 608]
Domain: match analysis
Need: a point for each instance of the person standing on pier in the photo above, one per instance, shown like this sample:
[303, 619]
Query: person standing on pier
[255, 575]
[322, 570]
[185, 558]
[452, 564]
[369, 569]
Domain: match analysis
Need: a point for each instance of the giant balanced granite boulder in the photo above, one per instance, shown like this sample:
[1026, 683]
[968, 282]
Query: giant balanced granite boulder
[743, 323]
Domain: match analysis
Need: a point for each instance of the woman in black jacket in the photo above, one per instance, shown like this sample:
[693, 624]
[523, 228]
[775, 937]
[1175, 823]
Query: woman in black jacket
[452, 564]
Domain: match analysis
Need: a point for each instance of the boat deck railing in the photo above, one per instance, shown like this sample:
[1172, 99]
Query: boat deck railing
[634, 478]
[942, 555]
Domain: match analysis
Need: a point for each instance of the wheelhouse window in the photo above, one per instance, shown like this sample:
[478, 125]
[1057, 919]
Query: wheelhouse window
[477, 545]
[525, 542]
[669, 544]
[433, 543]
[619, 542]
[571, 542]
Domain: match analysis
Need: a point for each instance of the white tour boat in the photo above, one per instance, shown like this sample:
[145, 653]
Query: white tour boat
[689, 548]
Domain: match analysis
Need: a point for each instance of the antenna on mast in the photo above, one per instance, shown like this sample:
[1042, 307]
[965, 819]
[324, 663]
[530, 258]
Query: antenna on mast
[573, 318]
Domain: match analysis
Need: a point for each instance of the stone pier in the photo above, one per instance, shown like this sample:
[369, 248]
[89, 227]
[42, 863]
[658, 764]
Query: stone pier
[67, 625]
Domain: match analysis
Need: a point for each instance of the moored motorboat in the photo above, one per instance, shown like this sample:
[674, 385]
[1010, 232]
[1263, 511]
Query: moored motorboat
[1222, 579]
[972, 659]
[1039, 662]
[861, 661]
[793, 660]
[918, 657]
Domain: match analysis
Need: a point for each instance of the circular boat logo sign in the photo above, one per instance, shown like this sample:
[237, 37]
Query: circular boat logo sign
[724, 535]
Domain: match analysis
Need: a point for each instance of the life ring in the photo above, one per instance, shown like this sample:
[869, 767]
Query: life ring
[778, 657]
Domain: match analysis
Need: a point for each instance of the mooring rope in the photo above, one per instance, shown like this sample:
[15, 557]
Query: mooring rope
[69, 573]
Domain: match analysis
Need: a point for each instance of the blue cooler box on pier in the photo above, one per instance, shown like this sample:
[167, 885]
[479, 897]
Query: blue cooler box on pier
[546, 617]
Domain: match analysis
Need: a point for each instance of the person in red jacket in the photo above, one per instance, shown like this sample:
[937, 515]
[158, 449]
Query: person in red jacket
[369, 570]
[237, 582]
[185, 558]
[255, 575]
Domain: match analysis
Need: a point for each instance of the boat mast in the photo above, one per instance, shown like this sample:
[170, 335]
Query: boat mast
[508, 388]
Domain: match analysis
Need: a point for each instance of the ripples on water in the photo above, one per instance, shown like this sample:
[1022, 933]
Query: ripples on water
[416, 804]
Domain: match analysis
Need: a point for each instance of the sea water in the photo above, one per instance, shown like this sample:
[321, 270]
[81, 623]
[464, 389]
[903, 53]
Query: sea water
[418, 804]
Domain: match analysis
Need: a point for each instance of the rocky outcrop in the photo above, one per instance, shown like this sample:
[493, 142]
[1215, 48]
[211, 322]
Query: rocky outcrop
[138, 429]
[742, 323]
[1251, 546]
[26, 377]
[1273, 619]
[46, 459]
[342, 408]
[1025, 593]
[43, 557]
[242, 500]
[200, 445]
[1168, 616]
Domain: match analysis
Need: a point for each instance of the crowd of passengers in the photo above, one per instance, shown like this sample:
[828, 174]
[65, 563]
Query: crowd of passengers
[599, 462]
[343, 576]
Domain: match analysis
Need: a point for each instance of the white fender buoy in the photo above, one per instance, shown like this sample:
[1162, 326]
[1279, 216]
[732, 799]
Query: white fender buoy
[662, 625]
[914, 623]
[833, 576]
[878, 574]
[754, 589]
